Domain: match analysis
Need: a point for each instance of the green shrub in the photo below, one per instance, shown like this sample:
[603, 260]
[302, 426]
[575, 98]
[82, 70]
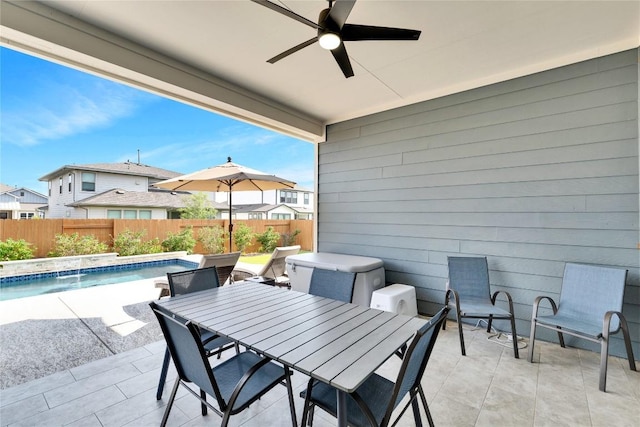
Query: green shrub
[132, 243]
[74, 244]
[212, 239]
[268, 240]
[182, 241]
[13, 250]
[198, 206]
[242, 236]
[289, 239]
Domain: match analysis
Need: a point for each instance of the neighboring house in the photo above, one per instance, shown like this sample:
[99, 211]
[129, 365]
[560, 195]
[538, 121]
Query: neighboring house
[264, 211]
[21, 203]
[298, 202]
[112, 190]
[154, 204]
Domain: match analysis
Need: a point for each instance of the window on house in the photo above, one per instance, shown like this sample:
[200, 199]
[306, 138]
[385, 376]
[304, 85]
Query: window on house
[114, 214]
[255, 215]
[60, 185]
[130, 214]
[49, 188]
[69, 182]
[144, 214]
[26, 215]
[280, 216]
[289, 197]
[306, 198]
[88, 181]
[22, 194]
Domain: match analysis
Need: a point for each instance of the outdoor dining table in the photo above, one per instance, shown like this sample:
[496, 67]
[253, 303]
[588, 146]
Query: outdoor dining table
[338, 343]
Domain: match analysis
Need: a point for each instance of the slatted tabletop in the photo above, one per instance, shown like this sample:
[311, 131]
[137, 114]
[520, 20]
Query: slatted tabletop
[338, 343]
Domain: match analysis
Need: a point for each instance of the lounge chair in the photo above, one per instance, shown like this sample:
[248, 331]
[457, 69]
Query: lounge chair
[273, 272]
[224, 263]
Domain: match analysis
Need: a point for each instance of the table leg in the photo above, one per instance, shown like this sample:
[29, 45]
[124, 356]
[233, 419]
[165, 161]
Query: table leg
[341, 397]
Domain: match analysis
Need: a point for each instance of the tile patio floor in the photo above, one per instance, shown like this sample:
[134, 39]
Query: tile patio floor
[488, 387]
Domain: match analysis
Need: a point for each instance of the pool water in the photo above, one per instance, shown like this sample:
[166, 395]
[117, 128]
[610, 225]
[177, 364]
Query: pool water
[78, 279]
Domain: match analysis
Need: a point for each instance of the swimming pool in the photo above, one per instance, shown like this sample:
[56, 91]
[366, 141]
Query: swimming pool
[59, 281]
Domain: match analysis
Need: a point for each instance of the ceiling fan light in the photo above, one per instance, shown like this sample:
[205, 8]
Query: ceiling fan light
[329, 41]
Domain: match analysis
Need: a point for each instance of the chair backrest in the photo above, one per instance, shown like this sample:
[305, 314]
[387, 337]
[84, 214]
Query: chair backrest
[276, 265]
[415, 359]
[225, 264]
[187, 352]
[333, 284]
[589, 291]
[469, 276]
[199, 279]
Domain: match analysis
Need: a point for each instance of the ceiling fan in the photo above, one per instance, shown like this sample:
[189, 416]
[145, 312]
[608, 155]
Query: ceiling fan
[333, 31]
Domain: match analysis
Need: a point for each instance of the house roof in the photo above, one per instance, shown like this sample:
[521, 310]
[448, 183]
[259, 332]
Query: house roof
[126, 168]
[152, 199]
[5, 188]
[212, 54]
[8, 189]
[263, 207]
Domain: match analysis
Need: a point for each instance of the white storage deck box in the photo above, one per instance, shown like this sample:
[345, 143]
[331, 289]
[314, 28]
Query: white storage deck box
[369, 277]
[396, 298]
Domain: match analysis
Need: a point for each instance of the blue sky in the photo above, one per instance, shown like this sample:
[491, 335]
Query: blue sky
[52, 115]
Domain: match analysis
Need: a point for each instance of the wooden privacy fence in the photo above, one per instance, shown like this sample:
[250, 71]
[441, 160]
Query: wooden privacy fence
[41, 232]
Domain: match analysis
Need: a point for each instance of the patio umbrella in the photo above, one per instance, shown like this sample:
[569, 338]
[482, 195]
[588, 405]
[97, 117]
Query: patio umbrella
[226, 177]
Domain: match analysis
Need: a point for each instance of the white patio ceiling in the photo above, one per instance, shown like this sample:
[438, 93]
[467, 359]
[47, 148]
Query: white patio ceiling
[213, 53]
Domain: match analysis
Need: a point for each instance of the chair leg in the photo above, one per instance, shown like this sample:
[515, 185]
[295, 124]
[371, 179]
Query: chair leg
[426, 407]
[489, 323]
[604, 359]
[165, 417]
[532, 339]
[163, 375]
[627, 342]
[203, 406]
[416, 409]
[561, 338]
[462, 348]
[514, 336]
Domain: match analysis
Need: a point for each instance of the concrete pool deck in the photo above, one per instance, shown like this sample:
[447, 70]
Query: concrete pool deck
[49, 333]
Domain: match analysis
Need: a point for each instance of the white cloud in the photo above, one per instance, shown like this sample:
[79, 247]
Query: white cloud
[58, 111]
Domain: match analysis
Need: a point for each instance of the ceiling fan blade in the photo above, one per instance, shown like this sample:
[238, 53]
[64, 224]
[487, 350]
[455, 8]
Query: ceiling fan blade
[340, 11]
[352, 32]
[341, 57]
[292, 50]
[287, 13]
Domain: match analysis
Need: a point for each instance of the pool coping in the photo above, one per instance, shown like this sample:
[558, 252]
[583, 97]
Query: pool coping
[74, 263]
[7, 281]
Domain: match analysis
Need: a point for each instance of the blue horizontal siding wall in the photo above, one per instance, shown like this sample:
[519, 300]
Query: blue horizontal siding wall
[532, 173]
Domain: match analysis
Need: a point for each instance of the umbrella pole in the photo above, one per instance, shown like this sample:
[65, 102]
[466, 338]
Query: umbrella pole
[230, 224]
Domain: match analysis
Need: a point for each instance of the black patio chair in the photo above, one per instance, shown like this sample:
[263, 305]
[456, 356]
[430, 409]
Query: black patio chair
[184, 282]
[235, 383]
[469, 286]
[374, 401]
[332, 284]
